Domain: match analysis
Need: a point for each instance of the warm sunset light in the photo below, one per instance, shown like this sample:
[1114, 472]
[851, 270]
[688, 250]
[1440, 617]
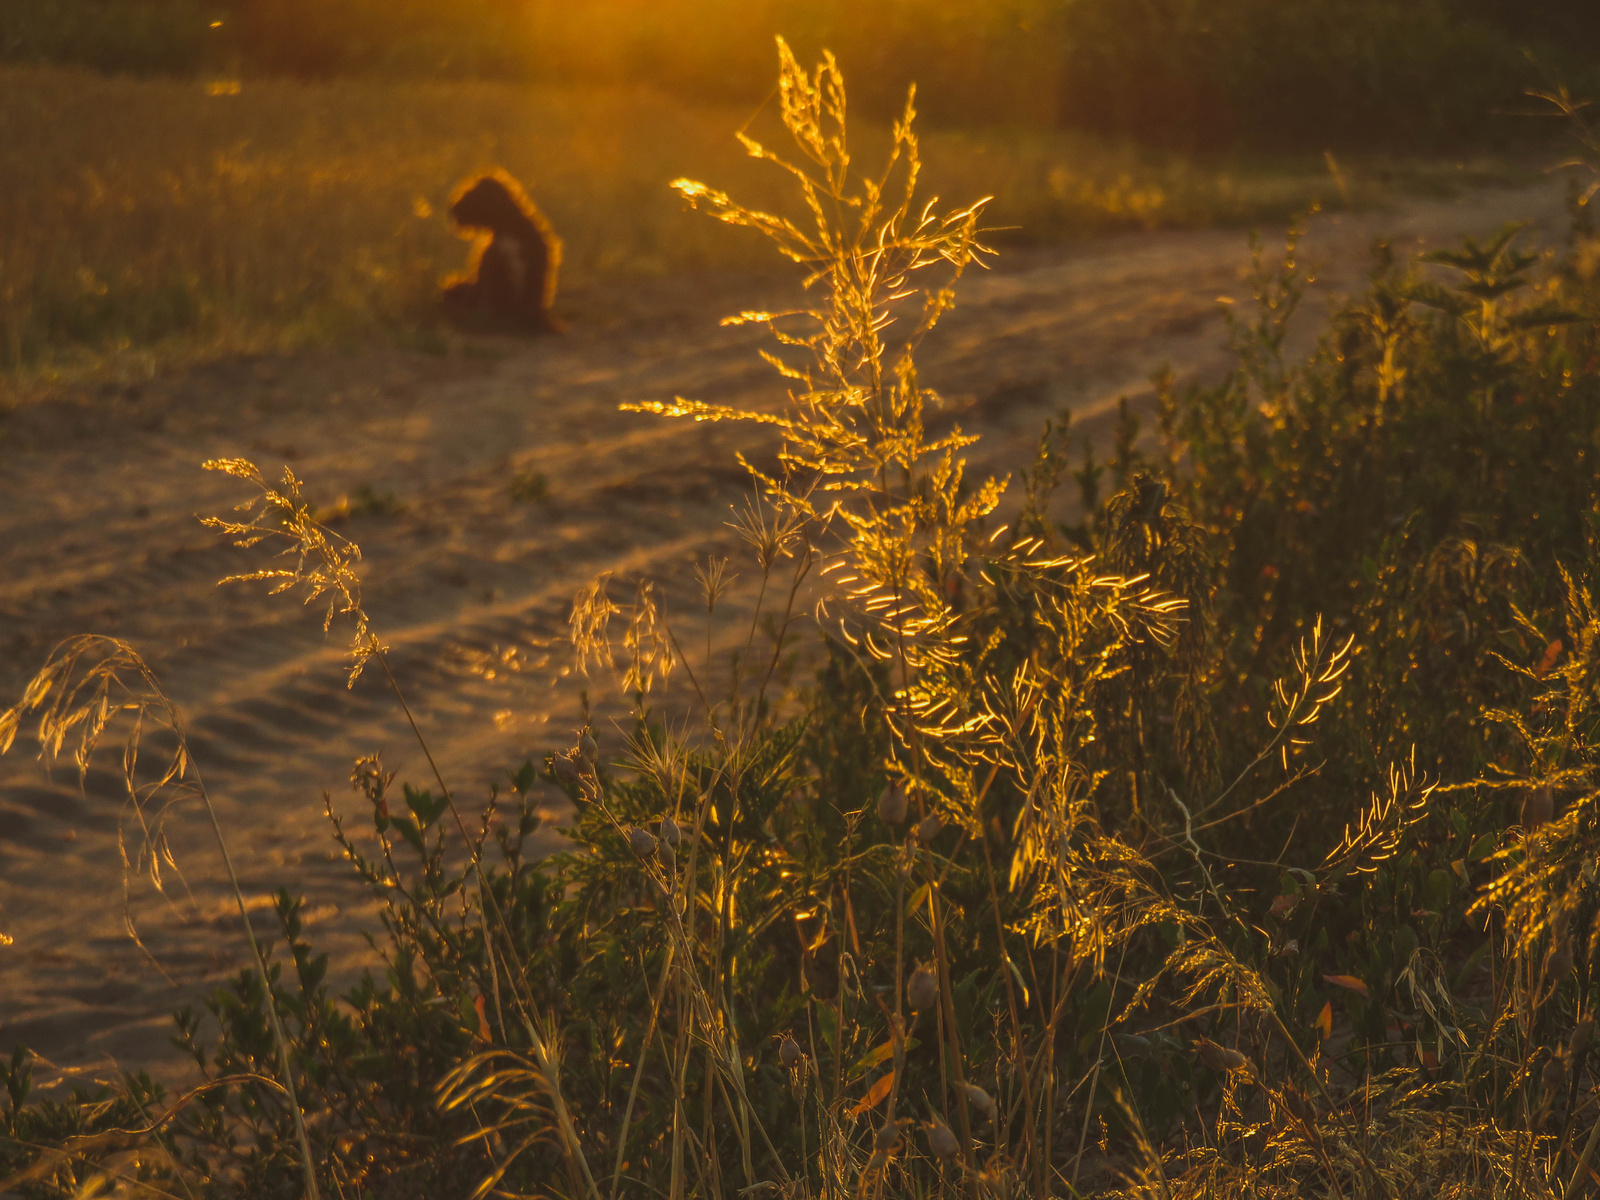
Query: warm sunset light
[716, 599]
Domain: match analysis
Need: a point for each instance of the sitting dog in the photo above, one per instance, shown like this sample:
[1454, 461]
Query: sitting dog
[511, 280]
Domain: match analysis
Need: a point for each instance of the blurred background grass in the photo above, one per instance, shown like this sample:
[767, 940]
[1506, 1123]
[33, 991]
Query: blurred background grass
[1185, 73]
[147, 221]
[195, 177]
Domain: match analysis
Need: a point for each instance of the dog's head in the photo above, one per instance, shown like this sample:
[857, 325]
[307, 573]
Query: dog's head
[492, 202]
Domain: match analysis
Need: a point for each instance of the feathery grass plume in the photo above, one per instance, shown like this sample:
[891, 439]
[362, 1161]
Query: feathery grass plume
[324, 562]
[646, 644]
[86, 688]
[906, 545]
[855, 457]
[1548, 893]
[89, 684]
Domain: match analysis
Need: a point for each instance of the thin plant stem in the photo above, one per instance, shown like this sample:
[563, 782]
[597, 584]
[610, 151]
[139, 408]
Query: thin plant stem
[278, 1036]
[638, 1072]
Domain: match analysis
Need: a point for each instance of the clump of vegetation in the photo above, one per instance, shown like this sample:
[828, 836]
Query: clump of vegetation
[1237, 839]
[529, 487]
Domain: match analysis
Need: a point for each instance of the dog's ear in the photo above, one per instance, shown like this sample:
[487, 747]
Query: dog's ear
[493, 202]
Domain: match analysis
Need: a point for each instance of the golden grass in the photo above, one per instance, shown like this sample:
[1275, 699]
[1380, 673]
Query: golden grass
[145, 222]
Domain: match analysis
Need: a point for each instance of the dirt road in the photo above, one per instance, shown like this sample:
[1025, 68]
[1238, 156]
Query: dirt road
[469, 585]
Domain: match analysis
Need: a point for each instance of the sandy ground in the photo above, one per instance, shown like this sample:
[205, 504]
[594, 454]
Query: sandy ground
[98, 533]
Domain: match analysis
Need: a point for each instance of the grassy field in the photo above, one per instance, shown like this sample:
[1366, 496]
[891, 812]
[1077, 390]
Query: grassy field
[148, 222]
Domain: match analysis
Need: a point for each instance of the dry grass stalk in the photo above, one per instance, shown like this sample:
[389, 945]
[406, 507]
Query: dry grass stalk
[89, 684]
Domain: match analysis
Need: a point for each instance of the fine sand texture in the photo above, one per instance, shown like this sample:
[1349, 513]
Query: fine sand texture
[469, 577]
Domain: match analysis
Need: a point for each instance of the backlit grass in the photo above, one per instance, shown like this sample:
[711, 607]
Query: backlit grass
[1237, 842]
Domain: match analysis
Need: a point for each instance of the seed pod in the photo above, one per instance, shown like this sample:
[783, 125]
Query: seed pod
[1553, 1079]
[565, 770]
[922, 989]
[1218, 1058]
[888, 1139]
[942, 1142]
[642, 841]
[669, 860]
[1582, 1035]
[789, 1052]
[979, 1099]
[892, 804]
[670, 833]
[928, 828]
[587, 748]
[1560, 964]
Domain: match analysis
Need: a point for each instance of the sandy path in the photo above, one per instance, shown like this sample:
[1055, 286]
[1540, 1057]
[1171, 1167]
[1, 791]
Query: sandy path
[98, 498]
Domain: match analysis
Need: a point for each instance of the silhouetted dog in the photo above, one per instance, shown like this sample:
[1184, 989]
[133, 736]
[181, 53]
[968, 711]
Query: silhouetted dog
[512, 277]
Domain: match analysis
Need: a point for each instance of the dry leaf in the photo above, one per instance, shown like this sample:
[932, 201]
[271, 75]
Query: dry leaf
[485, 1034]
[875, 1095]
[1551, 653]
[1325, 1021]
[1348, 981]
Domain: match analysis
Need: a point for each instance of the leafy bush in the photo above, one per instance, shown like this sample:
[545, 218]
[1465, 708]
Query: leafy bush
[1166, 853]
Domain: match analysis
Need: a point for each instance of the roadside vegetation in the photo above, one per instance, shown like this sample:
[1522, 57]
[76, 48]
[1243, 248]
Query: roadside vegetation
[1236, 839]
